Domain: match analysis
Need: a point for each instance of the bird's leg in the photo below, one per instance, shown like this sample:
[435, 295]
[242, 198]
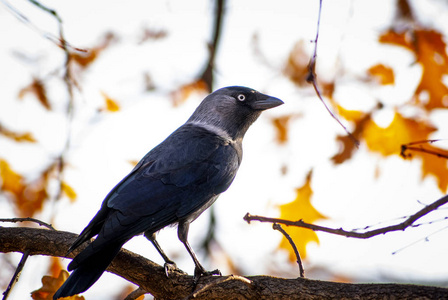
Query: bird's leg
[182, 233]
[169, 265]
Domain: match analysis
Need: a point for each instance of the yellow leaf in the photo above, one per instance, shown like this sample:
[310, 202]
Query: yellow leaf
[28, 198]
[435, 165]
[300, 209]
[388, 141]
[350, 115]
[68, 191]
[11, 181]
[111, 105]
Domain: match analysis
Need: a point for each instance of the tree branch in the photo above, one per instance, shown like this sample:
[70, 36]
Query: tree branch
[409, 222]
[151, 277]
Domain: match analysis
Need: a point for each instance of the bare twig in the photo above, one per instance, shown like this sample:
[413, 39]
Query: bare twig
[135, 294]
[220, 280]
[278, 227]
[41, 223]
[312, 78]
[17, 273]
[21, 17]
[409, 222]
[410, 146]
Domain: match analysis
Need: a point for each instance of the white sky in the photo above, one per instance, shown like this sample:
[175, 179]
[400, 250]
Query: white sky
[102, 144]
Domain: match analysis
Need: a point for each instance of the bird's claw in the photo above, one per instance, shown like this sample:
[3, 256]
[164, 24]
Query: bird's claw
[172, 267]
[198, 273]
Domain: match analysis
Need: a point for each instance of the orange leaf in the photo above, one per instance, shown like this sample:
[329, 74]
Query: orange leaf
[186, 90]
[37, 88]
[434, 160]
[385, 75]
[111, 105]
[437, 166]
[281, 124]
[50, 285]
[296, 68]
[55, 266]
[430, 51]
[300, 209]
[84, 59]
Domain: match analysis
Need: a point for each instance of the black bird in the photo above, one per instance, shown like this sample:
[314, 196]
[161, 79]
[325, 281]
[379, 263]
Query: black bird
[173, 184]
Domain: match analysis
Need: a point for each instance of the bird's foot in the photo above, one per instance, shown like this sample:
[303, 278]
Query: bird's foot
[172, 267]
[200, 272]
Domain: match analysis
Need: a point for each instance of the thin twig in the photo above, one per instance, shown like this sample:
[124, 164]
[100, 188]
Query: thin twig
[353, 234]
[219, 280]
[278, 227]
[312, 78]
[135, 294]
[16, 275]
[41, 223]
[22, 18]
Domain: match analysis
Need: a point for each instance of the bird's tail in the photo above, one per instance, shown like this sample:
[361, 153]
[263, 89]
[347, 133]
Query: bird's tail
[87, 272]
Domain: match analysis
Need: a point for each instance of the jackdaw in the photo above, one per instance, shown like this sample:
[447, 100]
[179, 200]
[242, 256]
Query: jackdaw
[173, 184]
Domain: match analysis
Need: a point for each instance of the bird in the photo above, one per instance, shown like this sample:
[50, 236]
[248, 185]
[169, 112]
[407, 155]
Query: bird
[171, 185]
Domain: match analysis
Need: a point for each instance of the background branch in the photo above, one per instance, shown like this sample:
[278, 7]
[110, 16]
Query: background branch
[354, 234]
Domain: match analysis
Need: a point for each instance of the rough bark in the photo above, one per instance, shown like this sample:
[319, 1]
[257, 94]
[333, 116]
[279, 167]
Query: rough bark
[151, 277]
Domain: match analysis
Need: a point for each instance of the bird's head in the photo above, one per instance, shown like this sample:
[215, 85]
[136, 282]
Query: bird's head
[233, 109]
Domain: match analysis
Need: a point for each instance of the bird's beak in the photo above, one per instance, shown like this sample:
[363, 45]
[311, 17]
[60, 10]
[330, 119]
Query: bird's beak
[264, 102]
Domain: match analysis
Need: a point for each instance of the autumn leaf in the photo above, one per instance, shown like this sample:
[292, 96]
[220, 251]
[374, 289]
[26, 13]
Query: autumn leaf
[346, 145]
[38, 89]
[50, 285]
[300, 209]
[281, 125]
[429, 50]
[389, 140]
[84, 59]
[68, 191]
[436, 166]
[55, 266]
[110, 104]
[434, 160]
[384, 74]
[296, 68]
[28, 197]
[401, 130]
[18, 137]
[186, 90]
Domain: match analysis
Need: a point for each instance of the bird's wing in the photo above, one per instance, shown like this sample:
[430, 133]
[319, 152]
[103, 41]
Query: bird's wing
[172, 182]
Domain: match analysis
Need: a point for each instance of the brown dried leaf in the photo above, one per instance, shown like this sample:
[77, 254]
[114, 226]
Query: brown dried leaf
[38, 89]
[18, 137]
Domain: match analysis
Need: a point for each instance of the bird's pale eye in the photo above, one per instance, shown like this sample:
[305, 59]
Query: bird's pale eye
[241, 97]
